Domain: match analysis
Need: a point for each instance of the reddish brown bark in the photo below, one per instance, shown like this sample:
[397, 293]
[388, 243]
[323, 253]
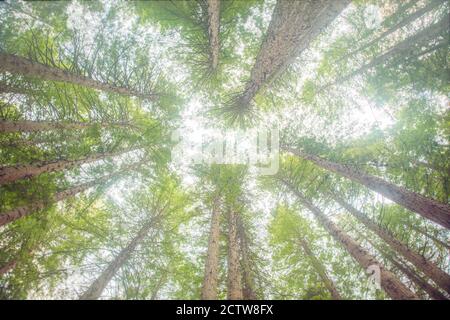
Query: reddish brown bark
[248, 287]
[234, 284]
[213, 31]
[8, 267]
[389, 282]
[210, 280]
[427, 267]
[26, 67]
[429, 208]
[14, 173]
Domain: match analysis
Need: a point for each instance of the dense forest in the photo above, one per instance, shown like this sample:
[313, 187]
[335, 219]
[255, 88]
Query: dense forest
[95, 203]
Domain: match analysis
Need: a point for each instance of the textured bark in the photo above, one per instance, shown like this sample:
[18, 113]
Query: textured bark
[8, 267]
[248, 287]
[234, 286]
[429, 208]
[213, 31]
[320, 269]
[35, 126]
[441, 278]
[210, 280]
[389, 282]
[97, 287]
[15, 64]
[428, 33]
[294, 25]
[408, 19]
[14, 173]
[20, 212]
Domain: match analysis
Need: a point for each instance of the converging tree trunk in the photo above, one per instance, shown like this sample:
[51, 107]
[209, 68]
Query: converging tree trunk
[441, 278]
[210, 280]
[429, 208]
[234, 286]
[294, 25]
[320, 269]
[248, 287]
[213, 31]
[14, 173]
[19, 65]
[97, 287]
[388, 281]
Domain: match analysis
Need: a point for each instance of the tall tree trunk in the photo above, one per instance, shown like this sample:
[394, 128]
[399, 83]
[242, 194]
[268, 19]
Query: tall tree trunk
[8, 267]
[19, 65]
[20, 212]
[389, 282]
[213, 31]
[426, 207]
[426, 34]
[427, 267]
[234, 286]
[14, 173]
[97, 287]
[409, 18]
[320, 269]
[248, 288]
[294, 25]
[210, 280]
[35, 126]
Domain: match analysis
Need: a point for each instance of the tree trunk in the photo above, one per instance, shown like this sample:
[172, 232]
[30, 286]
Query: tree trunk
[213, 31]
[97, 287]
[210, 280]
[234, 286]
[19, 65]
[294, 25]
[35, 126]
[428, 33]
[320, 269]
[427, 267]
[248, 287]
[409, 18]
[426, 207]
[389, 282]
[14, 173]
[8, 267]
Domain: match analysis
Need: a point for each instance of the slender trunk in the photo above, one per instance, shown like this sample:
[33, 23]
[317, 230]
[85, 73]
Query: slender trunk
[409, 18]
[248, 286]
[234, 286]
[213, 31]
[14, 173]
[210, 280]
[427, 267]
[428, 33]
[35, 126]
[320, 269]
[8, 267]
[26, 67]
[426, 207]
[389, 282]
[97, 287]
[294, 25]
[20, 212]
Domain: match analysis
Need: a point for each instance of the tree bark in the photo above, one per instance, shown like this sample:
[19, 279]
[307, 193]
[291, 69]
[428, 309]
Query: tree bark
[35, 126]
[213, 31]
[19, 65]
[210, 280]
[320, 269]
[294, 25]
[389, 282]
[234, 286]
[429, 208]
[97, 287]
[441, 278]
[8, 267]
[14, 173]
[248, 288]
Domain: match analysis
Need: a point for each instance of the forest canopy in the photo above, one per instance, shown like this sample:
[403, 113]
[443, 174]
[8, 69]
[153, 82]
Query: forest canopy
[100, 199]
